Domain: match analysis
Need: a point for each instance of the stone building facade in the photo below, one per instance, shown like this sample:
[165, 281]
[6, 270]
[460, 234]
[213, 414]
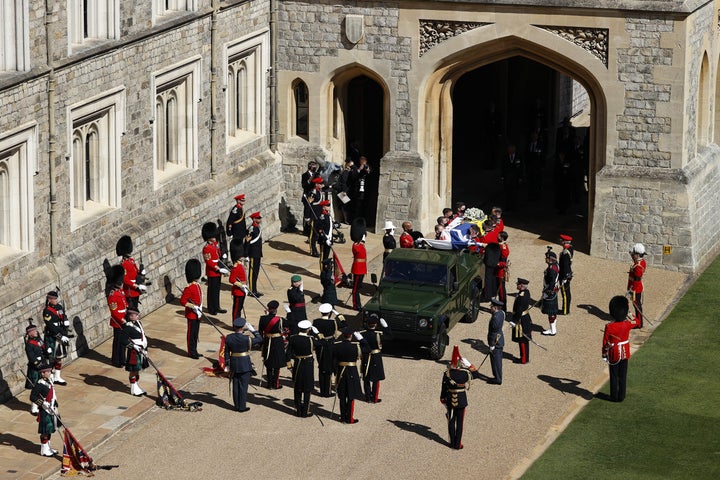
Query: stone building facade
[145, 118]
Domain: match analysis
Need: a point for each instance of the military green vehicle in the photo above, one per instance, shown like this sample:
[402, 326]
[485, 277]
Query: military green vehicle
[422, 294]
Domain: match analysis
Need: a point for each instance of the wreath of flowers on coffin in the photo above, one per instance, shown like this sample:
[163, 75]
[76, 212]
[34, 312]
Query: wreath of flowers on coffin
[474, 214]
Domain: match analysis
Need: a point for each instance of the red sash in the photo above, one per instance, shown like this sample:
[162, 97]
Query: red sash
[270, 325]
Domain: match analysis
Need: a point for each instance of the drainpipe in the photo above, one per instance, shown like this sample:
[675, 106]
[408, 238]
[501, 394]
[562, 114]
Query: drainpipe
[51, 83]
[274, 126]
[213, 89]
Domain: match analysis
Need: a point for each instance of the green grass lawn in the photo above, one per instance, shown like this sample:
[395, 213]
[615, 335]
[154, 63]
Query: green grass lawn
[669, 424]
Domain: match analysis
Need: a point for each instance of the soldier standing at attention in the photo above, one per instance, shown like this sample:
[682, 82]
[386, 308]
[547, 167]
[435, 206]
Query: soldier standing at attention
[496, 340]
[117, 303]
[455, 382]
[235, 225]
[307, 187]
[37, 354]
[359, 265]
[373, 370]
[124, 248]
[253, 249]
[389, 239]
[43, 395]
[300, 361]
[328, 330]
[56, 339]
[213, 270]
[296, 303]
[192, 300]
[565, 266]
[272, 327]
[136, 349]
[238, 278]
[314, 199]
[501, 269]
[522, 324]
[347, 353]
[616, 346]
[327, 280]
[323, 230]
[635, 279]
[238, 362]
[406, 238]
[550, 289]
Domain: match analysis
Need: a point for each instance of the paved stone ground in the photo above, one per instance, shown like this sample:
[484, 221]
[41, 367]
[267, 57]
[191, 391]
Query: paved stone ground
[405, 436]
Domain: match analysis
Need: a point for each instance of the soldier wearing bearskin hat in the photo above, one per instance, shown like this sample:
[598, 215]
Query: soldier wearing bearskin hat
[238, 277]
[135, 343]
[213, 268]
[56, 334]
[192, 300]
[133, 289]
[359, 265]
[455, 382]
[253, 250]
[43, 395]
[616, 346]
[117, 303]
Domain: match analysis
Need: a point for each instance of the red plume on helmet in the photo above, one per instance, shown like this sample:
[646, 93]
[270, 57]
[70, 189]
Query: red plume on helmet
[455, 357]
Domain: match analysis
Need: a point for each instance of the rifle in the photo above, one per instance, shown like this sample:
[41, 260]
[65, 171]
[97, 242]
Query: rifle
[141, 279]
[639, 309]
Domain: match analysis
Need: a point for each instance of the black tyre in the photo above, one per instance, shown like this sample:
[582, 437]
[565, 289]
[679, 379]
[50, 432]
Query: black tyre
[437, 348]
[474, 307]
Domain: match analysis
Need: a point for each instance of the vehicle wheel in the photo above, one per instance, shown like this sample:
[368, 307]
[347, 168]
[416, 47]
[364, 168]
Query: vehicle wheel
[437, 348]
[474, 308]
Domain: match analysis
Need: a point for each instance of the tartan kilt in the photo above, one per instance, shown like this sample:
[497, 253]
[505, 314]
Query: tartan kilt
[550, 305]
[33, 376]
[134, 360]
[46, 423]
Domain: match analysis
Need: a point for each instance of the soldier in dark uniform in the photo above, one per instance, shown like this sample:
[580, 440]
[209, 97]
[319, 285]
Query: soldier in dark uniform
[373, 370]
[327, 280]
[235, 225]
[496, 340]
[299, 354]
[192, 300]
[253, 250]
[389, 243]
[313, 200]
[272, 326]
[550, 289]
[135, 343]
[455, 382]
[296, 303]
[238, 362]
[328, 330]
[522, 323]
[117, 303]
[322, 225]
[565, 273]
[37, 354]
[347, 354]
[214, 270]
[56, 338]
[513, 176]
[43, 395]
[307, 187]
[359, 265]
[132, 287]
[238, 278]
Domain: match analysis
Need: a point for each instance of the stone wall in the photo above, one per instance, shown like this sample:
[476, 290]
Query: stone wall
[400, 192]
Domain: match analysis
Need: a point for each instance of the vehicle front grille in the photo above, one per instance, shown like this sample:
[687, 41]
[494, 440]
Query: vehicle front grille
[401, 321]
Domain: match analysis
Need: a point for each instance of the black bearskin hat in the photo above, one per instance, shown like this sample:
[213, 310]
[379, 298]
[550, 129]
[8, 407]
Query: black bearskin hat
[209, 230]
[358, 229]
[619, 308]
[116, 275]
[124, 246]
[193, 270]
[237, 249]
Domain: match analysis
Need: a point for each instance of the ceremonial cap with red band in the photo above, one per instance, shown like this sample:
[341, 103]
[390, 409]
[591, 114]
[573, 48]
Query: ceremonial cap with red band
[240, 197]
[317, 180]
[255, 215]
[565, 238]
[325, 203]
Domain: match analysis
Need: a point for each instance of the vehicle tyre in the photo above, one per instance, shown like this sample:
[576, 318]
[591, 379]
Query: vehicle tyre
[474, 307]
[437, 348]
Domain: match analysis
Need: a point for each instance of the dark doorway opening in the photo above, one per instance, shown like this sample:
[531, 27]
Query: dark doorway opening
[364, 123]
[522, 103]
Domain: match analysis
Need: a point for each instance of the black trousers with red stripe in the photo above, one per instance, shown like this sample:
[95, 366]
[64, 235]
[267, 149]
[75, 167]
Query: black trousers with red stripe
[456, 419]
[357, 285]
[238, 303]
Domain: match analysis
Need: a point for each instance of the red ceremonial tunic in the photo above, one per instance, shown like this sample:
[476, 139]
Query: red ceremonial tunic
[192, 293]
[616, 346]
[211, 255]
[237, 274]
[359, 265]
[635, 276]
[130, 278]
[502, 264]
[406, 240]
[117, 302]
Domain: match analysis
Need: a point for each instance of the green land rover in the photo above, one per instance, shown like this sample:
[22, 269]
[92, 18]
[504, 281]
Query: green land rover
[423, 293]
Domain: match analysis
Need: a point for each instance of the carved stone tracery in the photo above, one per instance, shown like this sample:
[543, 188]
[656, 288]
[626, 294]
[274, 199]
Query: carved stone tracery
[434, 32]
[594, 40]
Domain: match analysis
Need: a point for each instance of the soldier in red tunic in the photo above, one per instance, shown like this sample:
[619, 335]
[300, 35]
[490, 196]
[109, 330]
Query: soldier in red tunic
[406, 238]
[501, 269]
[359, 265]
[117, 303]
[616, 346]
[238, 278]
[635, 283]
[213, 268]
[192, 300]
[133, 289]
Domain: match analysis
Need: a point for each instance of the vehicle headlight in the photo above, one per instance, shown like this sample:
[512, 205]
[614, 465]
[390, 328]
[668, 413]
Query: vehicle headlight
[423, 322]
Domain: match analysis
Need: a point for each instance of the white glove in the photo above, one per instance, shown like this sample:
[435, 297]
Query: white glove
[249, 327]
[137, 348]
[143, 272]
[383, 323]
[302, 287]
[66, 323]
[245, 289]
[605, 359]
[198, 311]
[286, 307]
[335, 312]
[357, 335]
[315, 330]
[465, 363]
[49, 350]
[46, 406]
[224, 256]
[227, 369]
[328, 242]
[629, 293]
[142, 288]
[224, 271]
[64, 339]
[492, 348]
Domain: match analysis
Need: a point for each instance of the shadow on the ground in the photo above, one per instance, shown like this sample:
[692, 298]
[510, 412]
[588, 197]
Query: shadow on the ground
[287, 247]
[420, 429]
[258, 398]
[165, 347]
[19, 443]
[16, 404]
[105, 382]
[567, 385]
[211, 399]
[98, 357]
[593, 310]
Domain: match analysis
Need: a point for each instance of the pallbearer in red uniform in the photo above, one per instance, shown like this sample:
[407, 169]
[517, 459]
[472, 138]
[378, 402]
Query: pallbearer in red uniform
[133, 289]
[406, 238]
[117, 303]
[213, 269]
[455, 382]
[501, 269]
[359, 265]
[238, 278]
[192, 300]
[616, 346]
[635, 282]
